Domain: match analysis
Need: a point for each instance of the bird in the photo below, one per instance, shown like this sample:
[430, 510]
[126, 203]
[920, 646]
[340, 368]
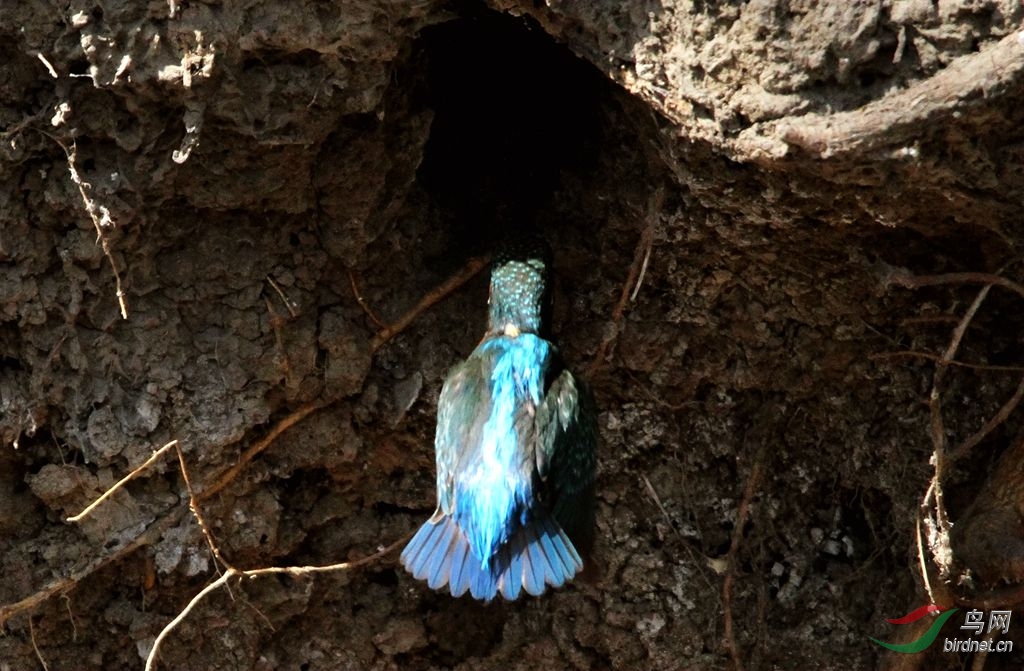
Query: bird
[516, 452]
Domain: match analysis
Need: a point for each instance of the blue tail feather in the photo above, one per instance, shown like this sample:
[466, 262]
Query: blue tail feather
[533, 576]
[562, 550]
[459, 581]
[512, 579]
[428, 555]
[554, 569]
[483, 584]
[538, 555]
[441, 566]
[414, 549]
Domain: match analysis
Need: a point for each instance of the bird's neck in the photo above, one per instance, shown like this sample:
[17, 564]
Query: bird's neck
[513, 322]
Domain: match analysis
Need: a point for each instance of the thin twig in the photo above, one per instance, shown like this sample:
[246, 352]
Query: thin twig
[657, 501]
[49, 66]
[742, 513]
[935, 357]
[474, 266]
[922, 557]
[225, 478]
[634, 277]
[193, 506]
[940, 546]
[151, 658]
[120, 483]
[284, 298]
[354, 282]
[255, 573]
[908, 281]
[101, 219]
[990, 426]
[63, 585]
[35, 646]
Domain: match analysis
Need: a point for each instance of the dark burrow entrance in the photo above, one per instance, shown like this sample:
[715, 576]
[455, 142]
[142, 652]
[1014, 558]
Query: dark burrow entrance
[513, 113]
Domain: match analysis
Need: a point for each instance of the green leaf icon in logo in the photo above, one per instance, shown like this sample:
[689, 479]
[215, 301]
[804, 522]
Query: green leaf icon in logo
[927, 639]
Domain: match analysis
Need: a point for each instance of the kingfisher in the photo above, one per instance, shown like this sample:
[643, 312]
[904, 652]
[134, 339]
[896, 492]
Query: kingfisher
[516, 454]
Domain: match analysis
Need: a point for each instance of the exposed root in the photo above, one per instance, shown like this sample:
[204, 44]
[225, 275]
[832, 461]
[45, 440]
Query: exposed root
[46, 63]
[151, 658]
[922, 556]
[168, 520]
[933, 524]
[914, 354]
[942, 553]
[289, 304]
[354, 282]
[35, 646]
[742, 514]
[193, 507]
[120, 483]
[635, 277]
[228, 476]
[963, 84]
[255, 573]
[63, 585]
[101, 219]
[901, 278]
[174, 517]
[992, 424]
[474, 266]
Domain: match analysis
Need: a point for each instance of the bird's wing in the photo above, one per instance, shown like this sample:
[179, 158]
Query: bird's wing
[461, 413]
[567, 453]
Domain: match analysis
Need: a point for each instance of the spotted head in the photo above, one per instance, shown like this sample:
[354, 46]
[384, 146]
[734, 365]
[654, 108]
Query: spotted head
[519, 278]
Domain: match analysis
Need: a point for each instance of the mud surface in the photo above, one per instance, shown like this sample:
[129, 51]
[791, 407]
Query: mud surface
[736, 195]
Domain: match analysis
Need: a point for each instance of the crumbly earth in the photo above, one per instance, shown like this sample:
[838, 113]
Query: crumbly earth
[729, 189]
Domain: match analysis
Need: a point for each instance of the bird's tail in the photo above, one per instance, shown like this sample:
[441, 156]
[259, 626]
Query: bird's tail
[538, 554]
